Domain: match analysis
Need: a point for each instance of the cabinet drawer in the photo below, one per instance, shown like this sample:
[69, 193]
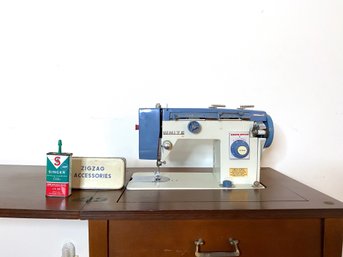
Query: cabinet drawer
[257, 238]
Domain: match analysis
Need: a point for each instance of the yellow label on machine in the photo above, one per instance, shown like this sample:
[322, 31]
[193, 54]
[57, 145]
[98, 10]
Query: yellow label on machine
[238, 172]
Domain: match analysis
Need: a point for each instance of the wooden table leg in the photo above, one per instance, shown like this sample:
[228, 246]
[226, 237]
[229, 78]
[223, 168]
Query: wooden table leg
[333, 237]
[98, 238]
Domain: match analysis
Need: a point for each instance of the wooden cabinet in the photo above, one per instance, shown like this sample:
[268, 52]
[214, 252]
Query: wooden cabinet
[172, 238]
[311, 237]
[286, 218]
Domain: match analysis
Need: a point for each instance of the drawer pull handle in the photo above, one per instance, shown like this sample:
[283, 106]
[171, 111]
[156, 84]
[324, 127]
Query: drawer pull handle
[216, 254]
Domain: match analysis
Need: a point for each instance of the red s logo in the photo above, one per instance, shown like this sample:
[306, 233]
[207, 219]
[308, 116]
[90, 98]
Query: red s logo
[57, 161]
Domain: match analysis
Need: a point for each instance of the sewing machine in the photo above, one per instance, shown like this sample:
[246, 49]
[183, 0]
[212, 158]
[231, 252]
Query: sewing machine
[238, 137]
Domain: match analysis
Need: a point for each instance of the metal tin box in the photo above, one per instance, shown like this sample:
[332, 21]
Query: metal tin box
[98, 173]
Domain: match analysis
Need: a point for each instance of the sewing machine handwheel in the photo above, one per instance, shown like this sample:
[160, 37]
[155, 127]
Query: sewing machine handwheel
[270, 134]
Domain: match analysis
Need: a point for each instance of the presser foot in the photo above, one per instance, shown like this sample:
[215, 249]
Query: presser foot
[149, 179]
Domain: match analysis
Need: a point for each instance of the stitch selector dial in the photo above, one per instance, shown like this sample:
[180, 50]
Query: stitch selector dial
[240, 149]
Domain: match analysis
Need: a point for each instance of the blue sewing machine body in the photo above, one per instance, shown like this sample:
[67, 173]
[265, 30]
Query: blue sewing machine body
[238, 136]
[150, 123]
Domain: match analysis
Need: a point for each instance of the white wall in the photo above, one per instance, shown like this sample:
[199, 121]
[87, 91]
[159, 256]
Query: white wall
[42, 238]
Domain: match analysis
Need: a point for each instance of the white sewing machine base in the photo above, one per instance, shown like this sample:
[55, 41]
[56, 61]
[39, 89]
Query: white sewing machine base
[180, 181]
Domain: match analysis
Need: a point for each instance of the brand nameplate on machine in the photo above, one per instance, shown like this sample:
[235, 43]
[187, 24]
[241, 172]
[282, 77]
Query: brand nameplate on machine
[173, 132]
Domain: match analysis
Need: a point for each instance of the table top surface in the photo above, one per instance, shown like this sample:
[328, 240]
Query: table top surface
[22, 194]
